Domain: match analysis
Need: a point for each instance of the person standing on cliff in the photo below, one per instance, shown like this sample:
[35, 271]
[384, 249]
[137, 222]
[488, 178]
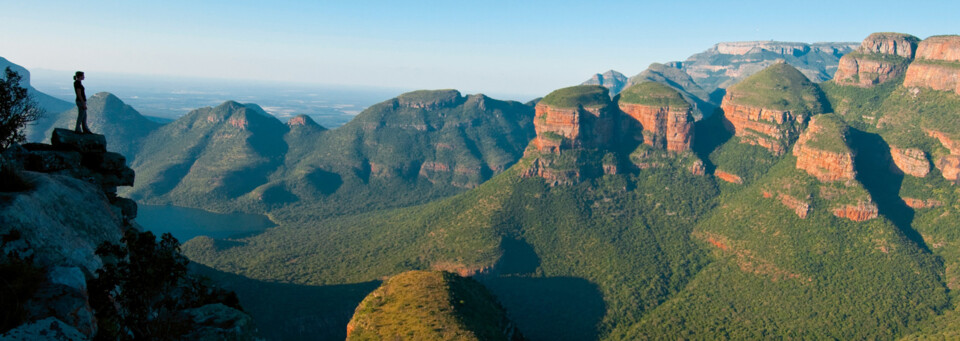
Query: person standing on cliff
[81, 104]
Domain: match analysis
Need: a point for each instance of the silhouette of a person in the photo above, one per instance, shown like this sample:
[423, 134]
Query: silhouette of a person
[81, 104]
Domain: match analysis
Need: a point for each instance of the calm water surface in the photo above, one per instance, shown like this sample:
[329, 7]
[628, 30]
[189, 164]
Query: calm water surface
[186, 223]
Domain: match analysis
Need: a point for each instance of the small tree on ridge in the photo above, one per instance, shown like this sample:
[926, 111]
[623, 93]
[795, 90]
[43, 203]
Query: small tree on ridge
[16, 109]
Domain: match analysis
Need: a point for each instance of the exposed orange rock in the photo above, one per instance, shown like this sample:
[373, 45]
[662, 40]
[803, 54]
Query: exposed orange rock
[862, 211]
[799, 206]
[867, 67]
[937, 65]
[826, 166]
[663, 127]
[920, 203]
[559, 128]
[903, 45]
[759, 126]
[297, 121]
[728, 177]
[910, 161]
[431, 166]
[866, 72]
[949, 165]
[946, 48]
[239, 122]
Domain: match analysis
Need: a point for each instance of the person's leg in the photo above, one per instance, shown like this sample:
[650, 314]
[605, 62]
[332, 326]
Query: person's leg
[81, 118]
[86, 130]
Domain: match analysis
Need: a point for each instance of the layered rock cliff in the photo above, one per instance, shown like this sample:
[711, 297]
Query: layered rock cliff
[937, 65]
[575, 117]
[880, 58]
[822, 151]
[661, 114]
[770, 108]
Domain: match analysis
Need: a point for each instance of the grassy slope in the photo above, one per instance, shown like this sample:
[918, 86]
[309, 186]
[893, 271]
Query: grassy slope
[571, 97]
[780, 87]
[653, 94]
[429, 305]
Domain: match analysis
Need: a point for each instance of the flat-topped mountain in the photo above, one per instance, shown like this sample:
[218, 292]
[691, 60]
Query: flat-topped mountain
[881, 57]
[771, 107]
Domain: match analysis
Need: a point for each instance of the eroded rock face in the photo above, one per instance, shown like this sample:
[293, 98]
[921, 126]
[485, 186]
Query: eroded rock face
[862, 211]
[542, 168]
[866, 72]
[910, 161]
[920, 203]
[559, 128]
[937, 65]
[800, 207]
[760, 126]
[869, 66]
[949, 165]
[663, 127]
[728, 177]
[825, 165]
[900, 44]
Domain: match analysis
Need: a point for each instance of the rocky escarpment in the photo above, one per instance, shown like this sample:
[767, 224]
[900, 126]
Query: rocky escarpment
[822, 151]
[575, 117]
[59, 206]
[770, 108]
[949, 165]
[937, 65]
[910, 161]
[660, 113]
[612, 80]
[880, 58]
[725, 64]
[430, 99]
[431, 305]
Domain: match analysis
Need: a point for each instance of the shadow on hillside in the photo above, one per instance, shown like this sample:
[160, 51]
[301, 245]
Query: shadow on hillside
[709, 134]
[518, 258]
[283, 311]
[554, 308]
[872, 162]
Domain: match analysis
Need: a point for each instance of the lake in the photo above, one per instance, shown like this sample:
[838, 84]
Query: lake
[187, 223]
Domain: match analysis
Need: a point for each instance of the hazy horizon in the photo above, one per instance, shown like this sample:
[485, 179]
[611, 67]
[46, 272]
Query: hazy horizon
[497, 47]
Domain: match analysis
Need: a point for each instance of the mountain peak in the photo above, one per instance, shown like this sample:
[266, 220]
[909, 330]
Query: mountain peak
[613, 80]
[303, 121]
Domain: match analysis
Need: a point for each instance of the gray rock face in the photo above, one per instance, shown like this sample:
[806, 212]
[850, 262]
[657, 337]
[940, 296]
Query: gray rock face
[49, 329]
[612, 80]
[219, 322]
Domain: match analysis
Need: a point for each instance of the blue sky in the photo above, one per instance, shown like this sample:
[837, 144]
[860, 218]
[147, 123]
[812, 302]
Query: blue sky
[494, 47]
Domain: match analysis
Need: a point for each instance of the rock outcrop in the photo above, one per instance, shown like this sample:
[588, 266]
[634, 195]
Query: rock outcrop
[822, 151]
[662, 115]
[59, 206]
[575, 117]
[726, 64]
[862, 211]
[949, 165]
[770, 108]
[910, 161]
[937, 65]
[880, 58]
[728, 177]
[430, 99]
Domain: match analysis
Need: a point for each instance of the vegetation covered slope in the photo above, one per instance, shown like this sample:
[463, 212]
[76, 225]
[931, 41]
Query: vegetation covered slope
[568, 262]
[581, 95]
[407, 150]
[430, 305]
[653, 94]
[780, 87]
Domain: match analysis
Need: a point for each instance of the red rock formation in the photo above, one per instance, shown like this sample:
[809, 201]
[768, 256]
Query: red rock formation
[903, 45]
[937, 65]
[728, 177]
[865, 72]
[920, 203]
[559, 128]
[239, 122]
[799, 206]
[297, 121]
[663, 127]
[826, 166]
[910, 161]
[759, 126]
[949, 165]
[946, 48]
[862, 211]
